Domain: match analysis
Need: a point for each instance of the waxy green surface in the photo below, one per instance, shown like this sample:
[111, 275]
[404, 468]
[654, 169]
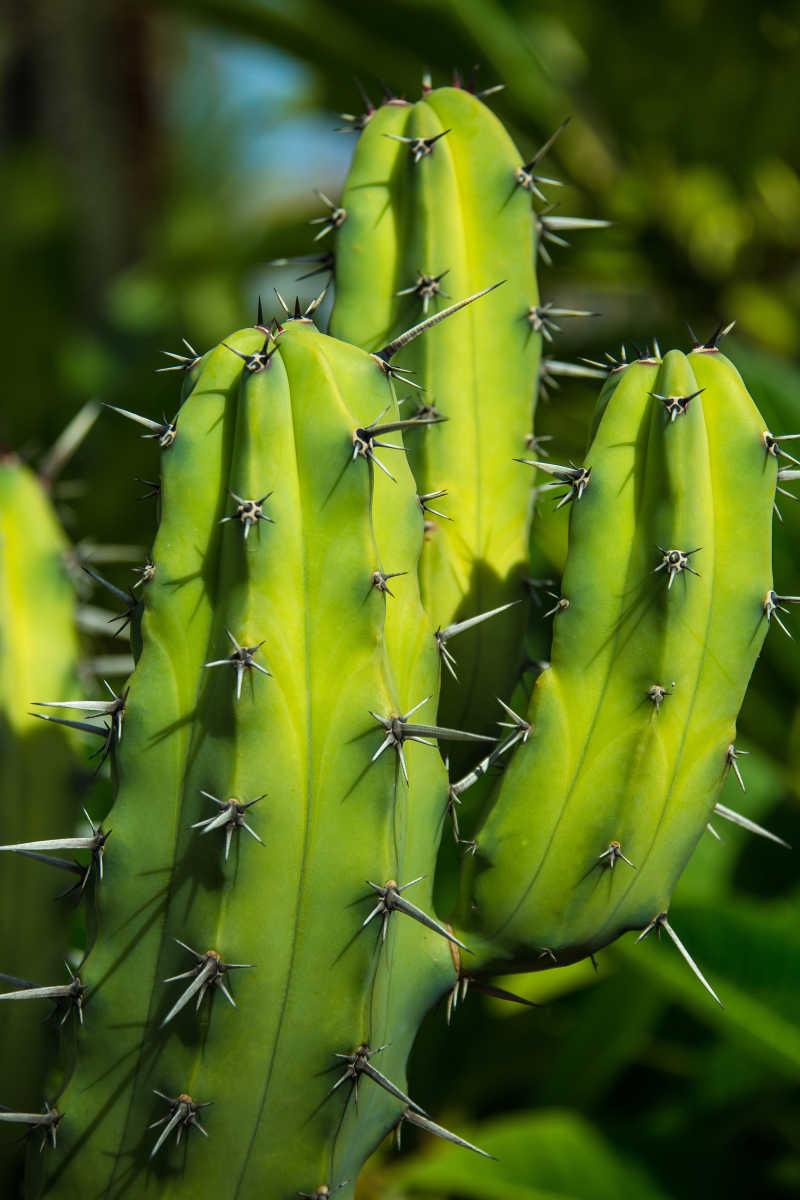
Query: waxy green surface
[603, 762]
[458, 209]
[336, 648]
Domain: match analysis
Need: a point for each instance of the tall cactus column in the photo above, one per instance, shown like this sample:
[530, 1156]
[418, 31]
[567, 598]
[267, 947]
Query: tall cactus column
[262, 784]
[435, 205]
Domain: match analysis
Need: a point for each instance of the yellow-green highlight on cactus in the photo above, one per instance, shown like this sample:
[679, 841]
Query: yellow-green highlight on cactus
[634, 722]
[40, 782]
[434, 209]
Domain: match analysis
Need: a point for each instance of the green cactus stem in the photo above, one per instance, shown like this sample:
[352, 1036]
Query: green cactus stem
[633, 722]
[40, 782]
[262, 962]
[434, 207]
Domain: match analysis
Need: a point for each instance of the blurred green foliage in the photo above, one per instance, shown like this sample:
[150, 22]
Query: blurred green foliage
[158, 155]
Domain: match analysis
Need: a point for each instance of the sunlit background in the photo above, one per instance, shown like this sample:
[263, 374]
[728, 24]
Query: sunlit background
[157, 158]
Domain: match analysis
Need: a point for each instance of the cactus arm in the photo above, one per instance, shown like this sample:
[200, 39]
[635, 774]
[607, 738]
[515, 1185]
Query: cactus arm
[457, 210]
[604, 762]
[38, 774]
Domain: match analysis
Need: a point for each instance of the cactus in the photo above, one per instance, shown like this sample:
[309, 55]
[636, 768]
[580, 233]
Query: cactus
[436, 196]
[39, 780]
[267, 938]
[665, 603]
[266, 779]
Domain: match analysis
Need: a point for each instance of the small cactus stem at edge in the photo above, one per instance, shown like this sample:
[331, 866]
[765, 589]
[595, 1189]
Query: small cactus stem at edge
[660, 922]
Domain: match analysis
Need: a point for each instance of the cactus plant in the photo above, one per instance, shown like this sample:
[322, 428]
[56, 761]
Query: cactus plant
[269, 636]
[39, 778]
[277, 820]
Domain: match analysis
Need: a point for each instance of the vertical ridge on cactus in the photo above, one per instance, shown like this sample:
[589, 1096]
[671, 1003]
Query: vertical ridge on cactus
[423, 206]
